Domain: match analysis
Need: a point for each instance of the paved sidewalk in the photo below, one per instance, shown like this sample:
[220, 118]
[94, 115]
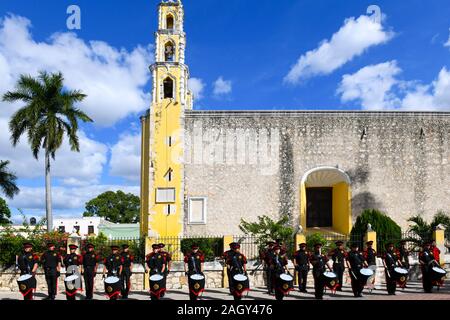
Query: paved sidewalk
[412, 292]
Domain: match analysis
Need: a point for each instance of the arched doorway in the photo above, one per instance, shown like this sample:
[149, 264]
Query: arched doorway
[325, 200]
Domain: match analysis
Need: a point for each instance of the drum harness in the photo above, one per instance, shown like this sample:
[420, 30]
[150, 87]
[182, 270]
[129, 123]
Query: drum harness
[237, 264]
[195, 268]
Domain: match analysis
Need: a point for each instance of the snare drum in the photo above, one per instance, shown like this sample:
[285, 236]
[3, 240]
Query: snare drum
[437, 275]
[365, 274]
[112, 286]
[27, 283]
[284, 283]
[71, 287]
[157, 285]
[196, 283]
[331, 280]
[240, 284]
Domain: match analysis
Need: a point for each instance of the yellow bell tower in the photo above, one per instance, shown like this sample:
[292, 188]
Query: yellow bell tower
[162, 195]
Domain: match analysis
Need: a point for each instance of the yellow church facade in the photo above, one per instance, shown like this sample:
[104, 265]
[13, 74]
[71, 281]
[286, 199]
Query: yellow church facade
[204, 171]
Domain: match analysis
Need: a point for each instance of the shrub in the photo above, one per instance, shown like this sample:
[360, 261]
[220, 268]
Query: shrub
[211, 247]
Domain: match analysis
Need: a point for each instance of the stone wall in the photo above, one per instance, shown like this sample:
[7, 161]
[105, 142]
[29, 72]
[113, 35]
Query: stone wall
[177, 280]
[249, 164]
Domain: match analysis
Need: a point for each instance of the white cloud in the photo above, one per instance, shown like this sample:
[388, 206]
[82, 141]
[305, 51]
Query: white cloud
[372, 85]
[63, 198]
[75, 168]
[351, 40]
[125, 157]
[196, 85]
[222, 87]
[113, 79]
[447, 44]
[377, 87]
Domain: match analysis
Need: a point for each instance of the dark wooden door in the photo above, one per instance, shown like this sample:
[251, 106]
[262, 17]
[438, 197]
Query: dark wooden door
[319, 207]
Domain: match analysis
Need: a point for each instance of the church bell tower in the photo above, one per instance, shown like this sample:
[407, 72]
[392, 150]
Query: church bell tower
[162, 195]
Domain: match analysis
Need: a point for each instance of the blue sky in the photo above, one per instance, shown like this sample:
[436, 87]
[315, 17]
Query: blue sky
[242, 54]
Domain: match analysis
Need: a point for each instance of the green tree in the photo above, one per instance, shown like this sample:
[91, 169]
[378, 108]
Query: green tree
[7, 180]
[266, 229]
[5, 213]
[48, 114]
[424, 230]
[117, 207]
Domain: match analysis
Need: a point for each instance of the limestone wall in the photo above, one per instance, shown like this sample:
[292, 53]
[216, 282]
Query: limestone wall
[249, 164]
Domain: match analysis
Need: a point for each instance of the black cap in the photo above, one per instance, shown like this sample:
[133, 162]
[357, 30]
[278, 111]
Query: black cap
[73, 246]
[369, 242]
[125, 246]
[270, 243]
[389, 244]
[354, 245]
[155, 246]
[302, 244]
[194, 246]
[339, 242]
[50, 244]
[27, 245]
[114, 247]
[161, 245]
[90, 245]
[318, 244]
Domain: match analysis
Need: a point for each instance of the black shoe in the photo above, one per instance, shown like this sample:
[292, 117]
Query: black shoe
[339, 289]
[47, 298]
[304, 291]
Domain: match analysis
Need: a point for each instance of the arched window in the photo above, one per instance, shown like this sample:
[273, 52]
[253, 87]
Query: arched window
[168, 88]
[169, 22]
[169, 51]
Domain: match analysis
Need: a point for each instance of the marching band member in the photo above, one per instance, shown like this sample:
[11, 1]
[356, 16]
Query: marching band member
[73, 259]
[390, 261]
[113, 267]
[370, 256]
[266, 256]
[90, 264]
[355, 262]
[403, 254]
[127, 267]
[436, 252]
[277, 264]
[301, 264]
[167, 256]
[338, 256]
[155, 262]
[426, 260]
[51, 261]
[27, 263]
[226, 256]
[193, 264]
[319, 263]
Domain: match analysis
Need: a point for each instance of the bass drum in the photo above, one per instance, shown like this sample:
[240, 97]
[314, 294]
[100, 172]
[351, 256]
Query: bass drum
[284, 284]
[438, 276]
[69, 282]
[157, 286]
[27, 283]
[400, 276]
[365, 274]
[112, 287]
[196, 285]
[240, 285]
[331, 280]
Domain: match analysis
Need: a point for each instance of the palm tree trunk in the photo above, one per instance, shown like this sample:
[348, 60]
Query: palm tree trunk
[48, 193]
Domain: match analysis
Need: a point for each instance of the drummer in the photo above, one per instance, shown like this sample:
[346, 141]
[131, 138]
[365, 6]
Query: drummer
[90, 264]
[127, 263]
[301, 265]
[155, 262]
[355, 262]
[51, 262]
[319, 263]
[277, 264]
[403, 254]
[193, 261]
[113, 267]
[426, 260]
[72, 259]
[167, 256]
[265, 256]
[390, 262]
[338, 256]
[226, 256]
[27, 262]
[370, 256]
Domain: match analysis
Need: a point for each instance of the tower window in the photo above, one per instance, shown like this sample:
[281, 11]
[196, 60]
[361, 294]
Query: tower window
[169, 51]
[169, 22]
[168, 88]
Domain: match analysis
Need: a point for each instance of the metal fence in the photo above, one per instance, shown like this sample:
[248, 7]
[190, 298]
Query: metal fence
[211, 246]
[413, 242]
[103, 247]
[250, 246]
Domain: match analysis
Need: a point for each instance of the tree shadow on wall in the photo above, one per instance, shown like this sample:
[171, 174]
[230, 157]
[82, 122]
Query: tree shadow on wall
[358, 176]
[364, 200]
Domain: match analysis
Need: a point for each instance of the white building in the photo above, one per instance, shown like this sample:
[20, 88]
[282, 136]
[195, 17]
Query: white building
[84, 226]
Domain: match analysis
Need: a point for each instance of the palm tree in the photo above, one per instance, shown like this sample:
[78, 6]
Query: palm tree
[7, 180]
[48, 114]
[424, 230]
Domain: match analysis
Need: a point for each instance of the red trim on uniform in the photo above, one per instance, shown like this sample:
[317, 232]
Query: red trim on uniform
[72, 294]
[115, 293]
[285, 292]
[158, 293]
[26, 293]
[197, 293]
[239, 293]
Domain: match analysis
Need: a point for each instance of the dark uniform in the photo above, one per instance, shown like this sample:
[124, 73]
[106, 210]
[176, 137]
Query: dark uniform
[167, 256]
[194, 262]
[90, 264]
[226, 256]
[338, 256]
[51, 262]
[72, 259]
[301, 259]
[277, 264]
[127, 261]
[155, 262]
[26, 262]
[319, 263]
[403, 254]
[113, 265]
[391, 261]
[266, 256]
[426, 259]
[356, 261]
